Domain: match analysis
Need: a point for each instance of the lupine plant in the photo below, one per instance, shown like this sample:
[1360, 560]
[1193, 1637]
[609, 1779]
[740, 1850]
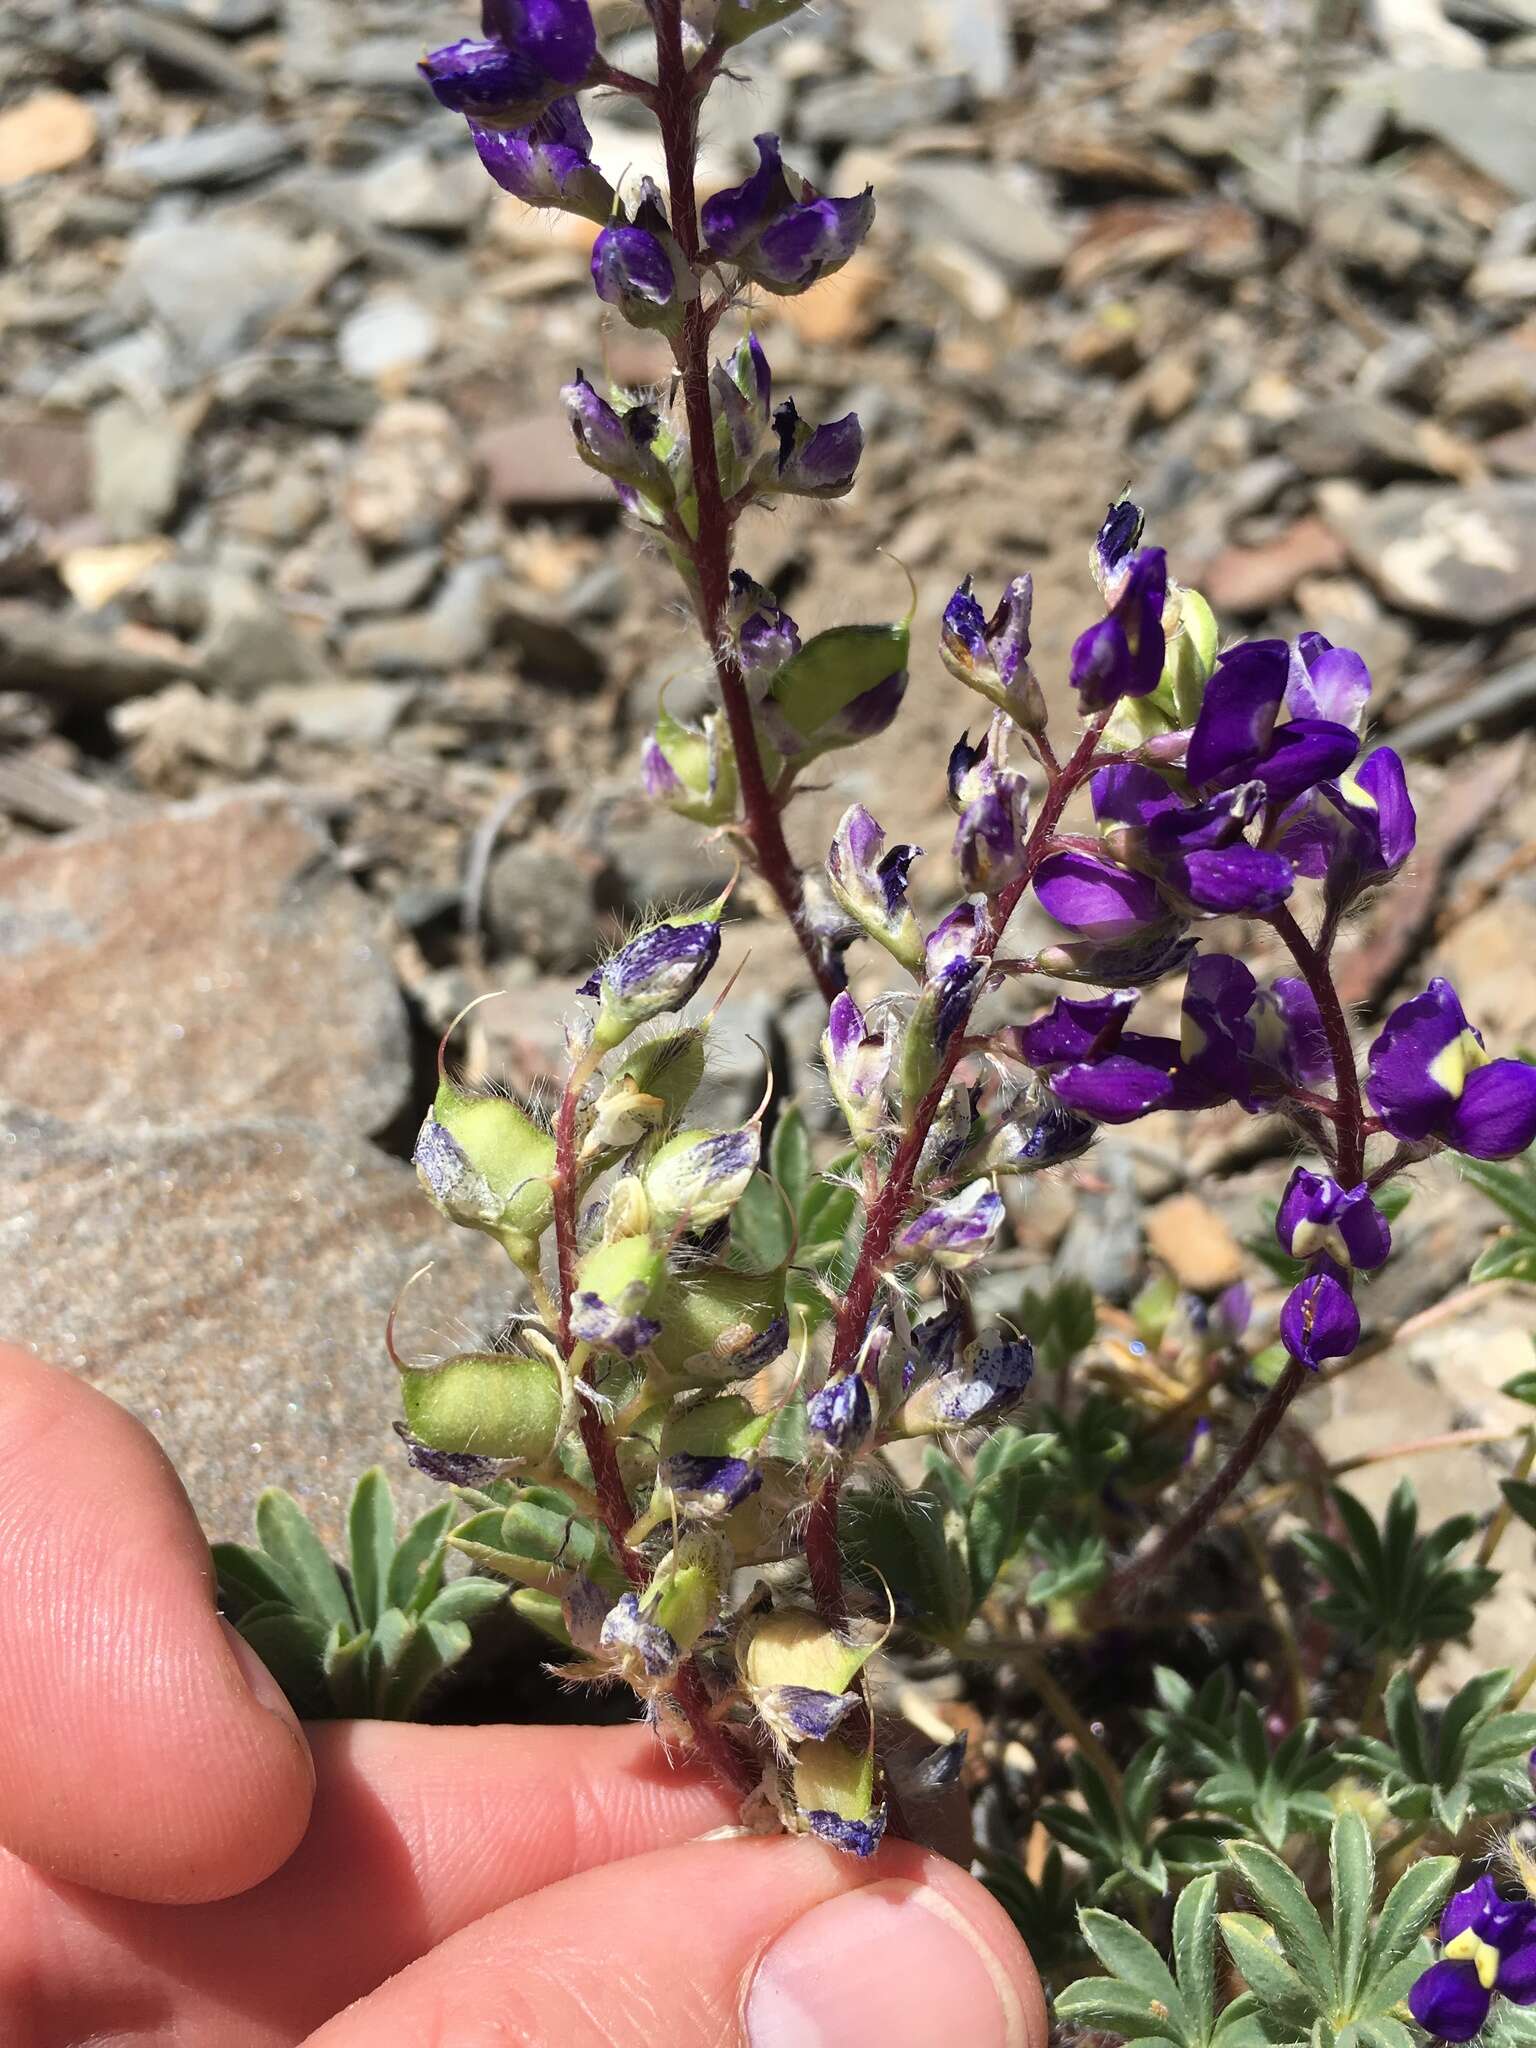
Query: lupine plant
[743, 1433]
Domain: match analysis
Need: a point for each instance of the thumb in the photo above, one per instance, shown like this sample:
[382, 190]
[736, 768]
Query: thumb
[738, 1944]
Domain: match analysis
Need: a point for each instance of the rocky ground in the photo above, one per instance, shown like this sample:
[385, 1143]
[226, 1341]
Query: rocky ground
[323, 663]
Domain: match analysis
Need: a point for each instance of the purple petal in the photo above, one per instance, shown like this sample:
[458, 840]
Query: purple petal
[1236, 881]
[1075, 1028]
[722, 1482]
[1129, 794]
[1495, 1116]
[1319, 1320]
[485, 80]
[839, 1416]
[1120, 532]
[1449, 2002]
[1302, 754]
[629, 263]
[1116, 1090]
[1237, 716]
[1327, 682]
[1480, 1897]
[1404, 1089]
[859, 1838]
[454, 1468]
[1096, 897]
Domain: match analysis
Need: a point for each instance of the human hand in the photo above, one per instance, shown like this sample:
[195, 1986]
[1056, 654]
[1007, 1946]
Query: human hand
[186, 1865]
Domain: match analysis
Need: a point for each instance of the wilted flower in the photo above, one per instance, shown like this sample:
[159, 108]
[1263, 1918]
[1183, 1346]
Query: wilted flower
[991, 656]
[660, 970]
[871, 884]
[813, 462]
[839, 1417]
[958, 1232]
[858, 1063]
[1429, 1076]
[779, 231]
[697, 1177]
[617, 445]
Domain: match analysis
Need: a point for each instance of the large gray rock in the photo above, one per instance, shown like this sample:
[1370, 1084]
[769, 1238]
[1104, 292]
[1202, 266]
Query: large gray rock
[1484, 117]
[230, 1285]
[216, 285]
[1468, 556]
[210, 961]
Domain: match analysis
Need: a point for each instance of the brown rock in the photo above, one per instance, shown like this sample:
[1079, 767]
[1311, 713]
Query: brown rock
[843, 308]
[48, 132]
[49, 461]
[230, 1286]
[204, 963]
[1249, 581]
[531, 464]
[1195, 1244]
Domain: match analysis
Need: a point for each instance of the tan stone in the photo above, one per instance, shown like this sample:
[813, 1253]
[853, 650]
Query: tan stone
[1195, 1244]
[842, 308]
[206, 962]
[48, 132]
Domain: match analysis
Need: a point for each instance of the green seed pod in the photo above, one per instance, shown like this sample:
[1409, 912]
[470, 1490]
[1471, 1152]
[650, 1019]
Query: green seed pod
[843, 686]
[669, 1066]
[489, 1404]
[793, 1646]
[615, 1285]
[484, 1164]
[692, 770]
[836, 1795]
[725, 1426]
[685, 1594]
[739, 19]
[1191, 659]
[760, 1529]
[718, 1325]
[697, 1177]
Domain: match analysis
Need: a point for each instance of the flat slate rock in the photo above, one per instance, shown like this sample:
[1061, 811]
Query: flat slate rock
[230, 1286]
[209, 961]
[1468, 556]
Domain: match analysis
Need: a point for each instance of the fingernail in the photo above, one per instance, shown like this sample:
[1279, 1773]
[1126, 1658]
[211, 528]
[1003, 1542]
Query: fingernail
[264, 1688]
[892, 1966]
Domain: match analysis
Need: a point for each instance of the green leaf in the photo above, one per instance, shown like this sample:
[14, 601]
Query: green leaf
[416, 1572]
[1511, 1257]
[1352, 1879]
[426, 1653]
[1414, 1901]
[371, 1544]
[1521, 1388]
[1521, 1495]
[1257, 1959]
[1132, 1958]
[292, 1646]
[762, 1227]
[292, 1544]
[789, 1157]
[1194, 1953]
[1114, 2008]
[916, 1541]
[544, 1611]
[348, 1659]
[1284, 1902]
[249, 1578]
[465, 1600]
[1512, 1186]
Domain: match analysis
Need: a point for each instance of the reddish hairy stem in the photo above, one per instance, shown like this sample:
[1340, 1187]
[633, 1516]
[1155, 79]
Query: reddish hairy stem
[1349, 1123]
[676, 102]
[885, 1215]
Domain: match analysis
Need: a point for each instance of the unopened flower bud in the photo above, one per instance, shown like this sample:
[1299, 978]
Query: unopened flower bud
[660, 970]
[813, 462]
[1317, 1215]
[617, 445]
[766, 636]
[1319, 1320]
[991, 837]
[1123, 655]
[991, 656]
[638, 266]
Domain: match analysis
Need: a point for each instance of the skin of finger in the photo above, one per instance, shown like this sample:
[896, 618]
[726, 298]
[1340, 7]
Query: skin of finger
[416, 1833]
[660, 1949]
[133, 1755]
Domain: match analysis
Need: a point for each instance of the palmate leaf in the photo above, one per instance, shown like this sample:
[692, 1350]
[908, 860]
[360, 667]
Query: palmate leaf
[1121, 1834]
[1469, 1761]
[1044, 1910]
[1140, 1998]
[1219, 1738]
[369, 1642]
[1393, 1588]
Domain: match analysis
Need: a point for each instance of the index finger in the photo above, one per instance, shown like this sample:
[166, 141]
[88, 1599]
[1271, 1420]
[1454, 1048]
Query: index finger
[143, 1750]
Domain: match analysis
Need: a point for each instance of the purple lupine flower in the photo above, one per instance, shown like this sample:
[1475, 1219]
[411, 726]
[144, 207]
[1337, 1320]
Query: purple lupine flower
[1232, 1313]
[611, 1326]
[766, 636]
[1196, 851]
[1428, 1076]
[626, 1629]
[859, 1838]
[454, 1468]
[659, 970]
[1290, 1048]
[638, 266]
[1140, 1077]
[1132, 794]
[534, 50]
[1229, 881]
[1317, 1215]
[858, 1064]
[814, 462]
[983, 1384]
[1217, 1033]
[1122, 656]
[991, 656]
[779, 231]
[1236, 737]
[618, 445]
[871, 883]
[1097, 897]
[991, 837]
[956, 937]
[1488, 1946]
[1048, 1136]
[839, 1418]
[715, 1485]
[1353, 833]
[1074, 1028]
[549, 163]
[1319, 1319]
[1120, 534]
[958, 1232]
[1324, 681]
